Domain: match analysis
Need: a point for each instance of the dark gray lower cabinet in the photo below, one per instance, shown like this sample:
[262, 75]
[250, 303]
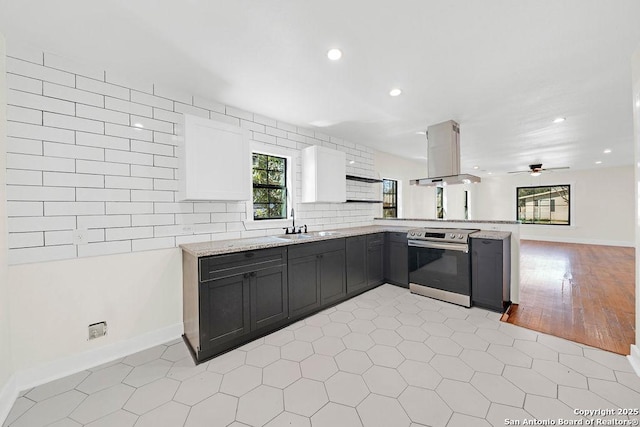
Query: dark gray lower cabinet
[375, 259]
[356, 253]
[231, 298]
[491, 273]
[316, 275]
[396, 259]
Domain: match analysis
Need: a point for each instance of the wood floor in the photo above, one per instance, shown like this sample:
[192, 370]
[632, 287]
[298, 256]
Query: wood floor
[584, 293]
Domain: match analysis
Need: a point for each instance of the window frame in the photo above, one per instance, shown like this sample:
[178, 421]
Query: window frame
[267, 187]
[555, 205]
[395, 197]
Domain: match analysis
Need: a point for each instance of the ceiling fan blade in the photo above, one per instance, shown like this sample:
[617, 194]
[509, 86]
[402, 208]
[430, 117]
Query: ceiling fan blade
[519, 171]
[555, 169]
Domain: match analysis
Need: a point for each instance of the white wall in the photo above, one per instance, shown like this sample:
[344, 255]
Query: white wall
[602, 205]
[6, 367]
[415, 201]
[635, 64]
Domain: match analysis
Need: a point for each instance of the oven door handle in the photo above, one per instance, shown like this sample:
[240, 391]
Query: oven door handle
[438, 245]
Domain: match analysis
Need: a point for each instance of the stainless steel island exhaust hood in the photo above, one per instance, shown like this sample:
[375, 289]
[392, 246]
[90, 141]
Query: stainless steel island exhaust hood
[443, 157]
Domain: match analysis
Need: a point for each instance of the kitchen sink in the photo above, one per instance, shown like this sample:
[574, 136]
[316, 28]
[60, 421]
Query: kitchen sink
[294, 236]
[326, 233]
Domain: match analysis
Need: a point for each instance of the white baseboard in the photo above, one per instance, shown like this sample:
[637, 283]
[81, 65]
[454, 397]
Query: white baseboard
[8, 395]
[622, 243]
[78, 362]
[634, 359]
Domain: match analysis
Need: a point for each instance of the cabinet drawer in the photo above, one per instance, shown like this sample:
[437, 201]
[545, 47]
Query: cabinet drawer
[219, 266]
[314, 248]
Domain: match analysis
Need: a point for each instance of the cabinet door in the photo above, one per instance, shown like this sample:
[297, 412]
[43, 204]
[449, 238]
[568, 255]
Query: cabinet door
[396, 259]
[214, 161]
[304, 288]
[486, 273]
[356, 252]
[324, 174]
[332, 276]
[224, 310]
[375, 259]
[269, 301]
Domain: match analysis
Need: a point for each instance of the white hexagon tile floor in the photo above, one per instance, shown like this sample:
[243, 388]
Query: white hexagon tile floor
[385, 358]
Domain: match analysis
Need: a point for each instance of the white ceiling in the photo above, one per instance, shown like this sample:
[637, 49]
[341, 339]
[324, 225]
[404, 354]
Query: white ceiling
[503, 69]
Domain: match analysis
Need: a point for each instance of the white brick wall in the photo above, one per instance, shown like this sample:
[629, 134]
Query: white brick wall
[89, 149]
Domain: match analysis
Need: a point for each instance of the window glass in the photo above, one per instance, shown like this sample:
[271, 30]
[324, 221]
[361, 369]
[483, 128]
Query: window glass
[269, 187]
[389, 198]
[550, 205]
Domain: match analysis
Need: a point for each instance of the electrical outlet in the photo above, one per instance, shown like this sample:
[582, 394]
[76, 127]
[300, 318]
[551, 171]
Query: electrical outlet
[187, 229]
[80, 237]
[97, 330]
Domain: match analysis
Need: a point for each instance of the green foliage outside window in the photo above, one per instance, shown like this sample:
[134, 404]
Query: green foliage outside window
[269, 187]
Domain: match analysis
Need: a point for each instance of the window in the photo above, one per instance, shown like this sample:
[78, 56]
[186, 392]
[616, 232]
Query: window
[544, 205]
[389, 198]
[269, 187]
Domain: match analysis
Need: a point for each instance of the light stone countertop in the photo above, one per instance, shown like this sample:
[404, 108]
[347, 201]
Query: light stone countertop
[492, 235]
[219, 247]
[468, 221]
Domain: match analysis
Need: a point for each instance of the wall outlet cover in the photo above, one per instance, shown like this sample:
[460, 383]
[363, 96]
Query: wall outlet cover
[97, 330]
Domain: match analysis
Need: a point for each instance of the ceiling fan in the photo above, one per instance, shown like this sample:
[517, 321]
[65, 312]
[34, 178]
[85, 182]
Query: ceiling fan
[537, 169]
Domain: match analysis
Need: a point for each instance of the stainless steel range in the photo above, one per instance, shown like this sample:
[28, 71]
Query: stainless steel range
[440, 264]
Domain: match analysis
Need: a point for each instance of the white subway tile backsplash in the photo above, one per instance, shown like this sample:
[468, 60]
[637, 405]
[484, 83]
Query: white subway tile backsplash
[128, 182]
[104, 141]
[24, 84]
[98, 86]
[103, 221]
[103, 194]
[127, 107]
[24, 115]
[127, 132]
[115, 208]
[26, 240]
[76, 160]
[182, 108]
[118, 156]
[101, 114]
[24, 177]
[73, 208]
[151, 196]
[102, 168]
[151, 172]
[152, 219]
[70, 94]
[39, 102]
[15, 209]
[128, 233]
[41, 223]
[152, 124]
[166, 184]
[39, 72]
[31, 131]
[70, 151]
[104, 248]
[208, 104]
[30, 162]
[151, 148]
[151, 244]
[151, 100]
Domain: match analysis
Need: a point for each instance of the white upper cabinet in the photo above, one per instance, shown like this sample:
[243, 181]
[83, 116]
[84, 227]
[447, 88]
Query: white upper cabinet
[323, 175]
[215, 163]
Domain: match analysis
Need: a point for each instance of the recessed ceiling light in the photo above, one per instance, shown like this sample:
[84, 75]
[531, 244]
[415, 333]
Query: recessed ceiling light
[489, 173]
[395, 92]
[559, 120]
[638, 103]
[476, 167]
[598, 162]
[607, 151]
[334, 54]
